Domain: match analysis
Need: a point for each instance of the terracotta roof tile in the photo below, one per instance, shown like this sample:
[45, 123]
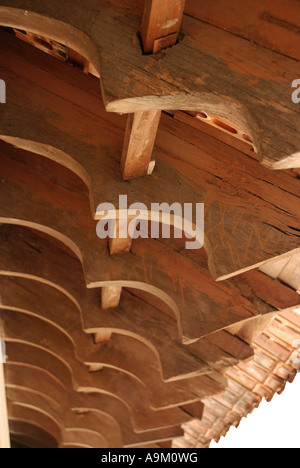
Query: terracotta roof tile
[266, 374]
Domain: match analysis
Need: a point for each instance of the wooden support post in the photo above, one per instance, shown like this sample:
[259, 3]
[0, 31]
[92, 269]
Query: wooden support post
[4, 429]
[161, 24]
[138, 144]
[110, 296]
[121, 240]
[100, 337]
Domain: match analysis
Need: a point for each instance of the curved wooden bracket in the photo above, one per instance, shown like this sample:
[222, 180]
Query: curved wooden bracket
[133, 82]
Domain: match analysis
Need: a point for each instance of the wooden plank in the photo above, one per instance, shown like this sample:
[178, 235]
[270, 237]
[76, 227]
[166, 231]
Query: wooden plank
[34, 416]
[28, 380]
[4, 428]
[274, 25]
[139, 142]
[110, 297]
[161, 23]
[286, 270]
[206, 126]
[29, 435]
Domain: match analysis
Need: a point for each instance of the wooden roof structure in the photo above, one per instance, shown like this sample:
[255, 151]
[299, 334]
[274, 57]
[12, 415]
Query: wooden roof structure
[141, 342]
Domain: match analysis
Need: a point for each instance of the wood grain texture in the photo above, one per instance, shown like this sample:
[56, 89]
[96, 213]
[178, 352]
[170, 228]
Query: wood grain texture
[286, 270]
[4, 429]
[120, 351]
[274, 25]
[44, 386]
[140, 135]
[161, 23]
[160, 339]
[221, 304]
[237, 206]
[240, 91]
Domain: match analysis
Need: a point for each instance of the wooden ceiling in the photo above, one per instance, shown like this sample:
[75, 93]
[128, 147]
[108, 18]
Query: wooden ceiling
[128, 343]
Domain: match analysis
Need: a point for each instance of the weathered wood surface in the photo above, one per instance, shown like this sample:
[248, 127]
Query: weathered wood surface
[140, 135]
[18, 296]
[286, 270]
[110, 297]
[273, 25]
[28, 374]
[65, 216]
[23, 254]
[135, 318]
[197, 74]
[161, 24]
[130, 390]
[4, 429]
[230, 252]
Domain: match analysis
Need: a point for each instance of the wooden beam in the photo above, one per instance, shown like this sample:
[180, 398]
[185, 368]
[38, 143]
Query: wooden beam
[110, 297]
[120, 241]
[77, 230]
[139, 141]
[175, 155]
[161, 24]
[4, 429]
[167, 83]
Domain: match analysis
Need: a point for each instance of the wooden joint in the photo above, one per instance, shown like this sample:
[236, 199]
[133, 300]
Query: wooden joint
[139, 142]
[110, 297]
[161, 24]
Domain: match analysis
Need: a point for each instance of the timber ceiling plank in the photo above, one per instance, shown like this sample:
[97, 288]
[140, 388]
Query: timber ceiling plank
[161, 23]
[76, 229]
[274, 25]
[23, 294]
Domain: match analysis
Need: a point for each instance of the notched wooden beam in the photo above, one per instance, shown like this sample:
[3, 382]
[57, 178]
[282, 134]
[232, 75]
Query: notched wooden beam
[161, 24]
[110, 297]
[139, 142]
[120, 240]
[196, 75]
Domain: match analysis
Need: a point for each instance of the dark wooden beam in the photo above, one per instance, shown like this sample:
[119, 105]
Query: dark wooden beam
[161, 24]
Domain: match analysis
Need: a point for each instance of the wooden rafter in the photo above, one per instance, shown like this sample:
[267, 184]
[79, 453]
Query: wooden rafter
[4, 429]
[101, 172]
[197, 74]
[161, 24]
[110, 297]
[109, 350]
[139, 142]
